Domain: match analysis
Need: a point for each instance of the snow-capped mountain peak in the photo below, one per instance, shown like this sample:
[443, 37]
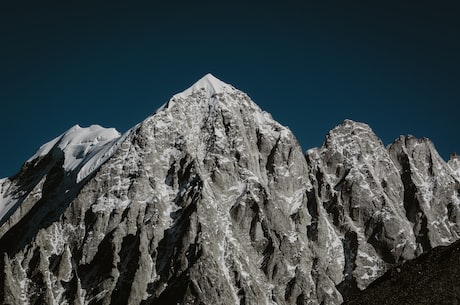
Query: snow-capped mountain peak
[209, 83]
[86, 147]
[77, 140]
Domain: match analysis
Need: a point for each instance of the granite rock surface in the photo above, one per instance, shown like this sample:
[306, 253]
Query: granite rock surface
[211, 201]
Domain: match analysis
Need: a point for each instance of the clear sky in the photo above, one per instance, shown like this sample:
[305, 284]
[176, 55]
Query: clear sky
[394, 65]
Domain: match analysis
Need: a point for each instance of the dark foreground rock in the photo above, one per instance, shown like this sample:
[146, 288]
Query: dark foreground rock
[432, 278]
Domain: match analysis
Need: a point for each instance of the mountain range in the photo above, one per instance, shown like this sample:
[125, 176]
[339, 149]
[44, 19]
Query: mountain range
[209, 200]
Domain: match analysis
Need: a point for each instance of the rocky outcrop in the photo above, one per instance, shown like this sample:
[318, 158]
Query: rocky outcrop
[431, 192]
[387, 205]
[211, 201]
[432, 278]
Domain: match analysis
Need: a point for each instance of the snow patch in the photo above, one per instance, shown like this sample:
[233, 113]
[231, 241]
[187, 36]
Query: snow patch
[445, 240]
[294, 201]
[335, 250]
[426, 188]
[292, 236]
[23, 286]
[290, 269]
[108, 204]
[455, 199]
[56, 239]
[366, 256]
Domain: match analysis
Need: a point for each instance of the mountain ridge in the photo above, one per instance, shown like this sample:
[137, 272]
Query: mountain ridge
[211, 200]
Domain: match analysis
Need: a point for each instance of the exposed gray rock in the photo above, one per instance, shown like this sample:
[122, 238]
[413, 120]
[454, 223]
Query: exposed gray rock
[454, 164]
[431, 192]
[387, 206]
[210, 201]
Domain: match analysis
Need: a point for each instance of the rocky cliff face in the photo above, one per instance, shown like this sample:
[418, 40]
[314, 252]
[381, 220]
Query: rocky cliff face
[386, 205]
[210, 201]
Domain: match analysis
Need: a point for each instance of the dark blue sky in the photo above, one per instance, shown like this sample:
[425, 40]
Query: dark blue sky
[393, 66]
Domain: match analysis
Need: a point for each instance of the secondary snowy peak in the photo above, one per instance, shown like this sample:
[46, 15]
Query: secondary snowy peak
[209, 84]
[66, 160]
[82, 147]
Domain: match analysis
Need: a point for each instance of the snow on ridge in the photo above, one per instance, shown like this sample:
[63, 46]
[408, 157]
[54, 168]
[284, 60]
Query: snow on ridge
[100, 154]
[87, 147]
[45, 148]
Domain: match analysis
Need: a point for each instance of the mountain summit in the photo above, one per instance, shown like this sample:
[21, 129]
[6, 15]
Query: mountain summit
[211, 201]
[209, 83]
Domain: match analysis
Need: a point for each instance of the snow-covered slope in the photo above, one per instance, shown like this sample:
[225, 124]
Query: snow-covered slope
[77, 152]
[83, 148]
[211, 201]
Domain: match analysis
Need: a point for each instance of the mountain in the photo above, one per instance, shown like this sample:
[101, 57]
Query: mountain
[211, 201]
